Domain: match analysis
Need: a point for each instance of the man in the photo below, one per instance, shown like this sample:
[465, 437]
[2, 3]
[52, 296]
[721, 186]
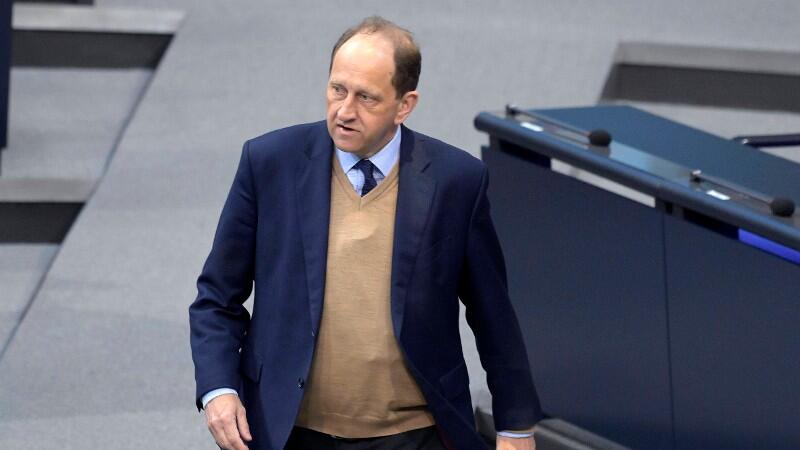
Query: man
[360, 236]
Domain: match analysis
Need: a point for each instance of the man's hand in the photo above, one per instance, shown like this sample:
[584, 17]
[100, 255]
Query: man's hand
[227, 422]
[507, 443]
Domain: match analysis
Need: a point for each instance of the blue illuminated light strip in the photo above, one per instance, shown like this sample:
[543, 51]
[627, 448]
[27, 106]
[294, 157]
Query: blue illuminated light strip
[765, 244]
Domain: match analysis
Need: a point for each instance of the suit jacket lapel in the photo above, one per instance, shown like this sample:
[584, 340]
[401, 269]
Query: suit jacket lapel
[414, 199]
[313, 180]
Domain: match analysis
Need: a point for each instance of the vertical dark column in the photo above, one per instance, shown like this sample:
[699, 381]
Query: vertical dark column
[733, 317]
[586, 277]
[5, 67]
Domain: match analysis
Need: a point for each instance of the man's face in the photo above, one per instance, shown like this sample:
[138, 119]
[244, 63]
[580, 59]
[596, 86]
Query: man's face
[363, 108]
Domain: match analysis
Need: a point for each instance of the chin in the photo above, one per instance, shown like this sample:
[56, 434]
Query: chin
[346, 146]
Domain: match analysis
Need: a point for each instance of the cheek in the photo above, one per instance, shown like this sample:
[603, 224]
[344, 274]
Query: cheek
[332, 108]
[368, 123]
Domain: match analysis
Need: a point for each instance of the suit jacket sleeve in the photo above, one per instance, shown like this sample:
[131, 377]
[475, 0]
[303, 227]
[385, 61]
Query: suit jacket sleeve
[484, 291]
[217, 318]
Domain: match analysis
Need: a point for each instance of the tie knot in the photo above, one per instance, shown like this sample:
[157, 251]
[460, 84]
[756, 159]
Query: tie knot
[367, 168]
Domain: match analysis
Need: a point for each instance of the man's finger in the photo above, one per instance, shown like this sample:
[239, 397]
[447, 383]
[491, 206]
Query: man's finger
[235, 442]
[218, 433]
[244, 428]
[219, 439]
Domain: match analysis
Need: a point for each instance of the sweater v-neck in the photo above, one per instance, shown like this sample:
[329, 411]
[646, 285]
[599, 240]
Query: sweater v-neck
[388, 182]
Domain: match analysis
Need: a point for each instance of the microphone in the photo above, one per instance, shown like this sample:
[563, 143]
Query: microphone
[782, 206]
[598, 137]
[779, 206]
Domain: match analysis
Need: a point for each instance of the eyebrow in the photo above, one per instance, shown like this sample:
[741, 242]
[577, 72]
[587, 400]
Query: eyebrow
[368, 93]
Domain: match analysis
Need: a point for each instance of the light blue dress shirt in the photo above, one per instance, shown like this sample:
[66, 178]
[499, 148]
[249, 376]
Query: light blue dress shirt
[384, 161]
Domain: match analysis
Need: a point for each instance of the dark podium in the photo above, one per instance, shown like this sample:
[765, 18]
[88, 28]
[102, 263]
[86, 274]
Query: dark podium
[660, 310]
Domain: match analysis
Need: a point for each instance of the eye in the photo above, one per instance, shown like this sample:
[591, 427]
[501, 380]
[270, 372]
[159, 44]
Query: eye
[338, 91]
[365, 98]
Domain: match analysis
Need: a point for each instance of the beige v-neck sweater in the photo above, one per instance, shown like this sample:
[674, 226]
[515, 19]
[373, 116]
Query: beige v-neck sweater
[359, 385]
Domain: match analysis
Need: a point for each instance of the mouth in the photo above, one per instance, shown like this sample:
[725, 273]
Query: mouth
[345, 129]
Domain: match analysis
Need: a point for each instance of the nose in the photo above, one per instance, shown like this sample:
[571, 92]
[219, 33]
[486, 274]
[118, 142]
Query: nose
[347, 110]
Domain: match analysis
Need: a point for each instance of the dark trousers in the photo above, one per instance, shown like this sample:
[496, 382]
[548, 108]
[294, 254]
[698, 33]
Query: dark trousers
[420, 439]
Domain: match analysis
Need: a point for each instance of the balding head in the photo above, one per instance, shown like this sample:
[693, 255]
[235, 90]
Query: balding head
[407, 58]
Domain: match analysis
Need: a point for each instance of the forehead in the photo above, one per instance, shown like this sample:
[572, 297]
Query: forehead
[366, 58]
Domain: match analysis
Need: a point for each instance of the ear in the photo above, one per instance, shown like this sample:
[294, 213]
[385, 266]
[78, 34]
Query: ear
[407, 104]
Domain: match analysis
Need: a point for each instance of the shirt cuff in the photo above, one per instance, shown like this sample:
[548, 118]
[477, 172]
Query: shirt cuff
[211, 395]
[515, 434]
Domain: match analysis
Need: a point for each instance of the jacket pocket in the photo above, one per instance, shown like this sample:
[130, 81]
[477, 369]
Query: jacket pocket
[250, 365]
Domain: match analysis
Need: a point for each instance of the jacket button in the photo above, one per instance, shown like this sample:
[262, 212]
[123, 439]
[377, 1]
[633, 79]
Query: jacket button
[300, 383]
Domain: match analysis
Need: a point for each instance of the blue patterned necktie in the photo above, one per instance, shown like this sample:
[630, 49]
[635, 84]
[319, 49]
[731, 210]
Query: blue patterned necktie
[366, 167]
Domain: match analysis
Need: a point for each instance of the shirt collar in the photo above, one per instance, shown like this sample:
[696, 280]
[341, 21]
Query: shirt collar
[384, 160]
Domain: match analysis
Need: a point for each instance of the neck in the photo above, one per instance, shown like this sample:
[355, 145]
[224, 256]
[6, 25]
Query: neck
[379, 147]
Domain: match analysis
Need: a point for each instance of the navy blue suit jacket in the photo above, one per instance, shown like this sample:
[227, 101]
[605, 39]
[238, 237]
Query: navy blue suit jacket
[273, 232]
